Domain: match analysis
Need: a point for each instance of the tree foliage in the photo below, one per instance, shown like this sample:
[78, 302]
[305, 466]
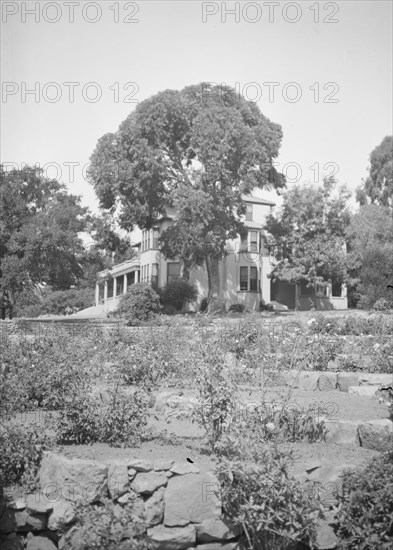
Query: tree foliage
[307, 237]
[378, 187]
[370, 255]
[197, 150]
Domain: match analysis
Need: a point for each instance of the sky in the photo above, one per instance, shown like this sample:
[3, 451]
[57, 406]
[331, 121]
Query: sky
[322, 70]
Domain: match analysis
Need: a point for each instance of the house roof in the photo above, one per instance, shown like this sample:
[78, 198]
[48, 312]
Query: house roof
[256, 200]
[253, 225]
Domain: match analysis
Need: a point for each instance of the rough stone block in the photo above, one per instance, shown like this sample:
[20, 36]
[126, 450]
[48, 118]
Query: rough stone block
[63, 514]
[40, 543]
[171, 538]
[327, 381]
[163, 465]
[343, 433]
[326, 538]
[147, 483]
[347, 379]
[363, 391]
[140, 465]
[376, 434]
[37, 504]
[375, 379]
[215, 529]
[29, 522]
[308, 381]
[13, 542]
[219, 546]
[154, 507]
[182, 468]
[118, 483]
[191, 498]
[72, 479]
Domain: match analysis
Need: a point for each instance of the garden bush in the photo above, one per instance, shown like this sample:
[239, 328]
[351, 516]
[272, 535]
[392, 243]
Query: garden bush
[177, 292]
[106, 526]
[141, 304]
[270, 509]
[237, 308]
[21, 450]
[364, 519]
[120, 422]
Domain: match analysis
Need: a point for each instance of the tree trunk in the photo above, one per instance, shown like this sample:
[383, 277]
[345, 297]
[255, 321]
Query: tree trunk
[214, 297]
[184, 272]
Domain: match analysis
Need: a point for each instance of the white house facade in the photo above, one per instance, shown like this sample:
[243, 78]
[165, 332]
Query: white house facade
[243, 271]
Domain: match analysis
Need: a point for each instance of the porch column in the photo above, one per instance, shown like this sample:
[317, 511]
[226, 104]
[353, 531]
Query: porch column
[97, 293]
[105, 291]
[114, 286]
[125, 284]
[137, 276]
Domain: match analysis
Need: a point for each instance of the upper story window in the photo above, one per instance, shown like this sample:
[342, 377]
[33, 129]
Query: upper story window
[145, 240]
[156, 236]
[249, 213]
[249, 242]
[248, 279]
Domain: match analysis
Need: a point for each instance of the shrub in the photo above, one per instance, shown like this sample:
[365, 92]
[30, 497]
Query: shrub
[177, 293]
[237, 308]
[106, 526]
[364, 517]
[386, 397]
[271, 509]
[382, 305]
[140, 304]
[21, 450]
[121, 422]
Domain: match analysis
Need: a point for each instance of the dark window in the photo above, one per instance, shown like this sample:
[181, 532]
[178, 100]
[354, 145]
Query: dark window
[119, 285]
[253, 241]
[154, 275]
[336, 289]
[244, 278]
[249, 213]
[253, 279]
[110, 288]
[100, 291]
[130, 279]
[321, 291]
[148, 240]
[156, 236]
[244, 243]
[173, 271]
[306, 290]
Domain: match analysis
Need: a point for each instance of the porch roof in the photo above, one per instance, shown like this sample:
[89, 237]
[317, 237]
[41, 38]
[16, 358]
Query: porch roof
[121, 269]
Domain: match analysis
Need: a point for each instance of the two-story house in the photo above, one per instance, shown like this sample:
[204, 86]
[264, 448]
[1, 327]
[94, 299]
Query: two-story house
[243, 271]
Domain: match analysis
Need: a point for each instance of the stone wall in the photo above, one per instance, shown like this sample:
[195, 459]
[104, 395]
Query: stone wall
[177, 502]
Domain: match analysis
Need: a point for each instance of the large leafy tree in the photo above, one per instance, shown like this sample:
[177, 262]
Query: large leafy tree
[39, 233]
[370, 255]
[378, 187]
[198, 150]
[307, 236]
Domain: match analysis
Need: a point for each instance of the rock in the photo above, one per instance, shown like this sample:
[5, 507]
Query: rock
[162, 398]
[18, 504]
[140, 465]
[123, 499]
[376, 434]
[364, 391]
[182, 402]
[375, 379]
[37, 504]
[72, 479]
[308, 381]
[163, 465]
[29, 522]
[171, 538]
[40, 543]
[118, 483]
[149, 482]
[214, 529]
[347, 379]
[138, 508]
[182, 468]
[154, 507]
[62, 515]
[191, 498]
[13, 542]
[219, 546]
[326, 538]
[327, 381]
[131, 473]
[343, 433]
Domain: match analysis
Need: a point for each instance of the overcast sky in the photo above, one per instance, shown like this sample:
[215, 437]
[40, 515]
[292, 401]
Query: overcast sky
[331, 64]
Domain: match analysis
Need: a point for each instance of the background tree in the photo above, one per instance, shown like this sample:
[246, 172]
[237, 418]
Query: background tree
[370, 255]
[378, 187]
[202, 144]
[307, 236]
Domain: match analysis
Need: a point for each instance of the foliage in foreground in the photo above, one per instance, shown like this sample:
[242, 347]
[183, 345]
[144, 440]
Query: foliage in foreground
[364, 520]
[140, 304]
[21, 450]
[106, 526]
[177, 292]
[271, 509]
